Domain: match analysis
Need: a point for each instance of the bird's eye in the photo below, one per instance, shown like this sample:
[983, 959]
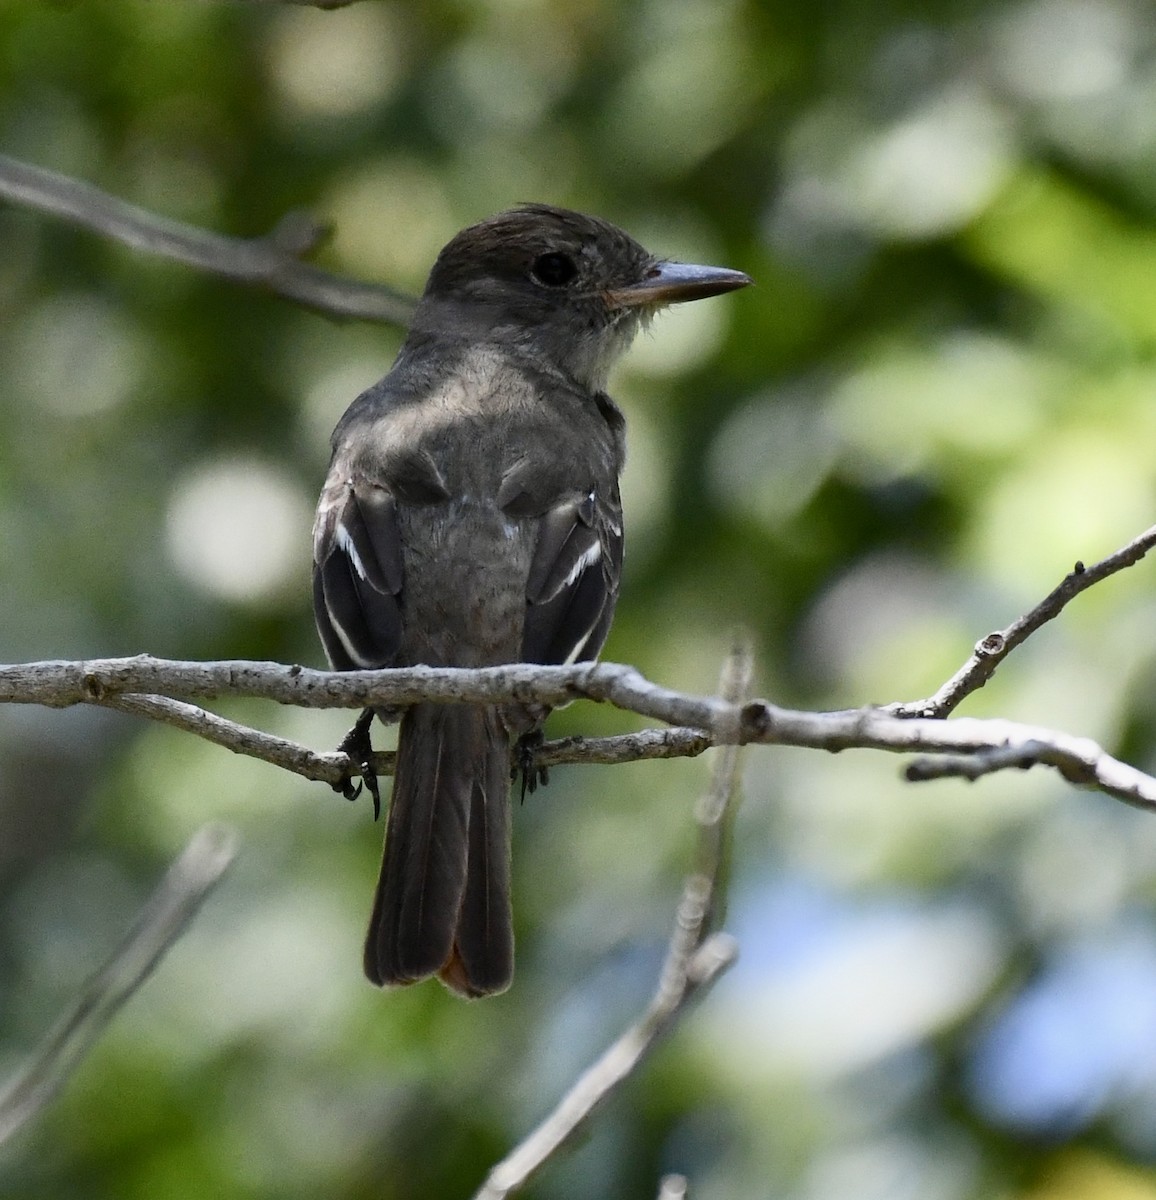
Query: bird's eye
[554, 270]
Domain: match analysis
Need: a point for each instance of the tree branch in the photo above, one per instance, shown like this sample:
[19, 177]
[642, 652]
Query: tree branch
[984, 762]
[990, 651]
[335, 766]
[161, 690]
[678, 742]
[110, 682]
[241, 739]
[59, 684]
[694, 960]
[157, 927]
[271, 262]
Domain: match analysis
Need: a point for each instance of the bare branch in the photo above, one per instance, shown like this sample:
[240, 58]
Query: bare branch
[159, 924]
[990, 651]
[241, 739]
[714, 809]
[984, 762]
[1079, 760]
[717, 721]
[693, 962]
[271, 262]
[599, 1081]
[625, 747]
[334, 767]
[59, 684]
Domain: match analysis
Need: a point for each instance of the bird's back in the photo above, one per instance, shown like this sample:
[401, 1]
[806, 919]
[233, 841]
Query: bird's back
[474, 457]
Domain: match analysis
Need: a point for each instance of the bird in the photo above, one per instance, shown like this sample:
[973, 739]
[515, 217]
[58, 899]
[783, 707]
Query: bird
[471, 517]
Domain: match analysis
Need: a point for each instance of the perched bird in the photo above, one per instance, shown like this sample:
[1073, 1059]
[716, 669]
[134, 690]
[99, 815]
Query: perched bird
[471, 517]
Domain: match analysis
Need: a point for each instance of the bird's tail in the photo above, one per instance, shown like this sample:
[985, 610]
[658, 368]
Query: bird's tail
[443, 897]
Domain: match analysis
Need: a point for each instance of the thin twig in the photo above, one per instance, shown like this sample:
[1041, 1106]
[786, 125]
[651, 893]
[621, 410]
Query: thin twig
[716, 806]
[241, 739]
[984, 762]
[159, 924]
[678, 742]
[599, 1081]
[271, 262]
[990, 651]
[1079, 760]
[694, 960]
[333, 767]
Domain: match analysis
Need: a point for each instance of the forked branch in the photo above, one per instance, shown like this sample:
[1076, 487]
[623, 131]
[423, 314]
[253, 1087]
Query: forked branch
[695, 958]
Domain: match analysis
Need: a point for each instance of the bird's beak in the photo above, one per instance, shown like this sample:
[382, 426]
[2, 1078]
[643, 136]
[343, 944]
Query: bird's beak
[674, 282]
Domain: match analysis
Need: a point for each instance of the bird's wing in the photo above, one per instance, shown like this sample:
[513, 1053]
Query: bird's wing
[357, 573]
[573, 581]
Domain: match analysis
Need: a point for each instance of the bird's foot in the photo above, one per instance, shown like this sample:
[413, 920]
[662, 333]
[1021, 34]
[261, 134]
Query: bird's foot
[525, 753]
[358, 745]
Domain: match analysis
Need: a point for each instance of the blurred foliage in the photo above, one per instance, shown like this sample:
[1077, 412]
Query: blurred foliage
[939, 395]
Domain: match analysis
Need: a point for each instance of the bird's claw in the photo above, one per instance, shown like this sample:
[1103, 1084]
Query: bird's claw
[347, 787]
[358, 746]
[525, 753]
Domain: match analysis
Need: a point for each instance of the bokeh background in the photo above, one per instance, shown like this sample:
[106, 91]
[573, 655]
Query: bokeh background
[940, 395]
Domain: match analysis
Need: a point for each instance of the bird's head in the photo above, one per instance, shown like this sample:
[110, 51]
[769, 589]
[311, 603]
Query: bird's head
[568, 289]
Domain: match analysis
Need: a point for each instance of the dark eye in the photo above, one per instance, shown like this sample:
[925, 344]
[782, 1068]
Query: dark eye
[554, 270]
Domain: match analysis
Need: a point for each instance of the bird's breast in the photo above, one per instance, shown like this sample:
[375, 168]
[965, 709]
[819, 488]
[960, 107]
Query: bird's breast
[489, 433]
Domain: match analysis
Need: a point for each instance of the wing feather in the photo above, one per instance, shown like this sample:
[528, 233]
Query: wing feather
[357, 575]
[573, 581]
